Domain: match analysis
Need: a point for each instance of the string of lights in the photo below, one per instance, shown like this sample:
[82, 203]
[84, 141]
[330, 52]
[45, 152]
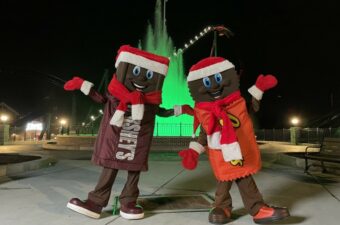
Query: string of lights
[192, 41]
[223, 31]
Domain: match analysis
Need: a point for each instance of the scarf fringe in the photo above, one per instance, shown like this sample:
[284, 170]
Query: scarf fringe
[231, 151]
[137, 111]
[117, 118]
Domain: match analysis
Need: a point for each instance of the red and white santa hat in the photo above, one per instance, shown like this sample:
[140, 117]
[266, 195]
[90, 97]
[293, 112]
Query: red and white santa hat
[207, 67]
[141, 58]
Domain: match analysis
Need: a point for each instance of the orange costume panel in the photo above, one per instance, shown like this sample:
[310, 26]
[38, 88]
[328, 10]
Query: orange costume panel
[225, 171]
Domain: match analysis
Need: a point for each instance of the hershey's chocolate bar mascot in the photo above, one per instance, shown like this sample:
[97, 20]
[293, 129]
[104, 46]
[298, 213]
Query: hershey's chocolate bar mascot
[126, 129]
[228, 137]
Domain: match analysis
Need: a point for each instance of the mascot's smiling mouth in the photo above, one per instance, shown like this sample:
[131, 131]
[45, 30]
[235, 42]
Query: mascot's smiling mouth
[138, 87]
[216, 94]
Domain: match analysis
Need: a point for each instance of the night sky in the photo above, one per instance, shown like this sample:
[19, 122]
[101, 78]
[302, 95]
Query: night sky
[43, 43]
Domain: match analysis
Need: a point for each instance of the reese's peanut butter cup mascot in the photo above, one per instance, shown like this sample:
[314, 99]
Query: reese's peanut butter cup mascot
[228, 137]
[126, 129]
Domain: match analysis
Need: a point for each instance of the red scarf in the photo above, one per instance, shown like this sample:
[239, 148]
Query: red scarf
[137, 99]
[216, 113]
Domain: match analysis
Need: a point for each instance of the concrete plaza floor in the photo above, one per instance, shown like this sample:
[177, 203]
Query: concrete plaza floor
[39, 197]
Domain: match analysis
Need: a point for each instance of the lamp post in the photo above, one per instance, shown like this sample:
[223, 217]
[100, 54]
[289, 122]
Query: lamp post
[93, 118]
[294, 130]
[62, 122]
[4, 128]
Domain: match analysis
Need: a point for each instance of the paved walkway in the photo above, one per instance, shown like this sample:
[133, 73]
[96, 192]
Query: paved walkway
[39, 197]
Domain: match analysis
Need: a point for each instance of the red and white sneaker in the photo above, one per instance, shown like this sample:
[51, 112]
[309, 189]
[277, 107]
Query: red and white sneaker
[131, 211]
[270, 214]
[87, 207]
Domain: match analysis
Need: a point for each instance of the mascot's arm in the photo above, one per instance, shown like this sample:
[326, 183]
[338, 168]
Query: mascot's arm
[190, 155]
[183, 109]
[255, 104]
[202, 137]
[177, 110]
[77, 83]
[262, 84]
[165, 112]
[97, 97]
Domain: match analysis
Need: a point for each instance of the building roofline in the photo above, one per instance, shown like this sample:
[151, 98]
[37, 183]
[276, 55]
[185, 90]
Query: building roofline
[4, 105]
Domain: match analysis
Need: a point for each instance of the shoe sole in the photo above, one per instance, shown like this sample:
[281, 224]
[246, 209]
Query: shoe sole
[131, 216]
[270, 220]
[83, 211]
[219, 221]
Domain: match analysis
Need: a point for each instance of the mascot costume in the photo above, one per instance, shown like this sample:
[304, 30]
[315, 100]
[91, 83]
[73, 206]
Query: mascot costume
[126, 130]
[228, 137]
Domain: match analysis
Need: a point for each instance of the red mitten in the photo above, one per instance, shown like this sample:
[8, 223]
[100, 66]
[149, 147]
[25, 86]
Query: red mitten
[262, 84]
[265, 82]
[74, 84]
[189, 158]
[183, 109]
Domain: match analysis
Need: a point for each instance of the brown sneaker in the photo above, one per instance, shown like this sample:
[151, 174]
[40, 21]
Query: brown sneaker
[270, 214]
[218, 215]
[87, 207]
[131, 211]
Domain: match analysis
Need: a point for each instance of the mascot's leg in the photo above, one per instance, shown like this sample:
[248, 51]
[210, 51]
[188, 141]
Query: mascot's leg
[221, 213]
[98, 198]
[128, 198]
[251, 196]
[253, 202]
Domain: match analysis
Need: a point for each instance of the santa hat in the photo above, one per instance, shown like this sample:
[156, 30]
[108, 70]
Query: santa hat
[141, 58]
[207, 67]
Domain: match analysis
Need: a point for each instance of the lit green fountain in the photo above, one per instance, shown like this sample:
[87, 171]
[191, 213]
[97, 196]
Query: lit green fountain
[175, 90]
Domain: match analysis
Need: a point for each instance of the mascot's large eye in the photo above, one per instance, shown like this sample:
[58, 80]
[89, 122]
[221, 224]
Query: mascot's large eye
[149, 74]
[207, 82]
[136, 71]
[218, 78]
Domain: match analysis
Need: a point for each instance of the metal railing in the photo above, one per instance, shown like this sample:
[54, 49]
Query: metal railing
[304, 135]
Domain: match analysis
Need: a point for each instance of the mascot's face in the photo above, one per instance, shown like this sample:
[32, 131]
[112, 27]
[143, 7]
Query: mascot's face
[138, 78]
[214, 87]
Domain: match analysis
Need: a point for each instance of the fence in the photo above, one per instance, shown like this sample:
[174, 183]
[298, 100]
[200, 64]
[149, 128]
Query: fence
[304, 135]
[170, 129]
[161, 129]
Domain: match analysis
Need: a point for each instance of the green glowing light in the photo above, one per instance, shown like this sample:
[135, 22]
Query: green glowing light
[175, 90]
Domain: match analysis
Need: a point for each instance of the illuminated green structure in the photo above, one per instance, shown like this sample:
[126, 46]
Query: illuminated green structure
[175, 90]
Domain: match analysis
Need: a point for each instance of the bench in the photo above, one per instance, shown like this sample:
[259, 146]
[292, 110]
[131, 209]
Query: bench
[329, 152]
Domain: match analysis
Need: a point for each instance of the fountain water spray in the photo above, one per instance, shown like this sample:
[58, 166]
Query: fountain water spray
[175, 90]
